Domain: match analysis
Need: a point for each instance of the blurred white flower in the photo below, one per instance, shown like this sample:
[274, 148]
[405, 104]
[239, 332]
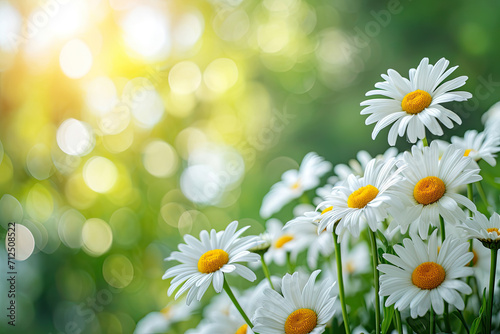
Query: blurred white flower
[294, 182]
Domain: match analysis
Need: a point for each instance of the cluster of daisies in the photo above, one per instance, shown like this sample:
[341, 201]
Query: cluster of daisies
[398, 242]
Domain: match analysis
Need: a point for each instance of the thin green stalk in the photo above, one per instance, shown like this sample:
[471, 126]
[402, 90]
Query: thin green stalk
[432, 322]
[493, 269]
[446, 306]
[266, 270]
[236, 304]
[470, 195]
[373, 243]
[340, 279]
[399, 324]
[424, 140]
[482, 194]
[289, 264]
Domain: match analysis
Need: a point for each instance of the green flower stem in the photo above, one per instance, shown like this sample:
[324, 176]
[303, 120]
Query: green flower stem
[493, 269]
[235, 302]
[289, 263]
[446, 306]
[432, 322]
[399, 324]
[470, 195]
[424, 141]
[340, 279]
[266, 270]
[373, 243]
[481, 192]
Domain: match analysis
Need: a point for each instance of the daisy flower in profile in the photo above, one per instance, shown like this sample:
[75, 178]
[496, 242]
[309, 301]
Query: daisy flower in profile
[303, 308]
[357, 166]
[320, 241]
[484, 230]
[294, 182]
[479, 145]
[360, 200]
[160, 322]
[414, 104]
[430, 188]
[491, 118]
[283, 242]
[421, 276]
[207, 260]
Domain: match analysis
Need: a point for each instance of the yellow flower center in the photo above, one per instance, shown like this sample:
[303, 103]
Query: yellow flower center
[242, 329]
[473, 262]
[327, 209]
[166, 311]
[361, 197]
[467, 152]
[212, 261]
[429, 190]
[428, 275]
[301, 321]
[283, 240]
[296, 185]
[494, 229]
[416, 101]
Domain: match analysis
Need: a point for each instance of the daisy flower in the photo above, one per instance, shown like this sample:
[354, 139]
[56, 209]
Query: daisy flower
[486, 231]
[223, 324]
[360, 200]
[482, 145]
[320, 241]
[357, 166]
[294, 182]
[430, 188]
[283, 242]
[421, 276]
[207, 260]
[491, 118]
[303, 308]
[160, 322]
[414, 104]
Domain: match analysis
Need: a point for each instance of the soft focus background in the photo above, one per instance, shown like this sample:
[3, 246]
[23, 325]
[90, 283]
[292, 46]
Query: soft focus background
[125, 124]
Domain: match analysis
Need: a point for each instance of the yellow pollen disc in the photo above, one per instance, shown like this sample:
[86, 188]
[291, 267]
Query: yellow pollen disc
[429, 190]
[416, 101]
[296, 185]
[212, 261]
[301, 321]
[242, 329]
[166, 311]
[467, 152]
[361, 197]
[474, 259]
[494, 229]
[327, 209]
[428, 275]
[283, 240]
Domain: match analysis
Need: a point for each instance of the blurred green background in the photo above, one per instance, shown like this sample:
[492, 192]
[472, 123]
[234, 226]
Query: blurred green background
[126, 124]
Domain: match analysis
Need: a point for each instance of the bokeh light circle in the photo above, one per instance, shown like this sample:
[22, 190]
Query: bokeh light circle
[184, 77]
[146, 32]
[70, 228]
[118, 271]
[97, 237]
[75, 59]
[159, 159]
[145, 104]
[100, 174]
[101, 96]
[75, 137]
[125, 226]
[220, 75]
[21, 240]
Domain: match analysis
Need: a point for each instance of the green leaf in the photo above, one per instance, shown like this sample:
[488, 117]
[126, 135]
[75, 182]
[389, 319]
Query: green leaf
[418, 325]
[478, 321]
[388, 315]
